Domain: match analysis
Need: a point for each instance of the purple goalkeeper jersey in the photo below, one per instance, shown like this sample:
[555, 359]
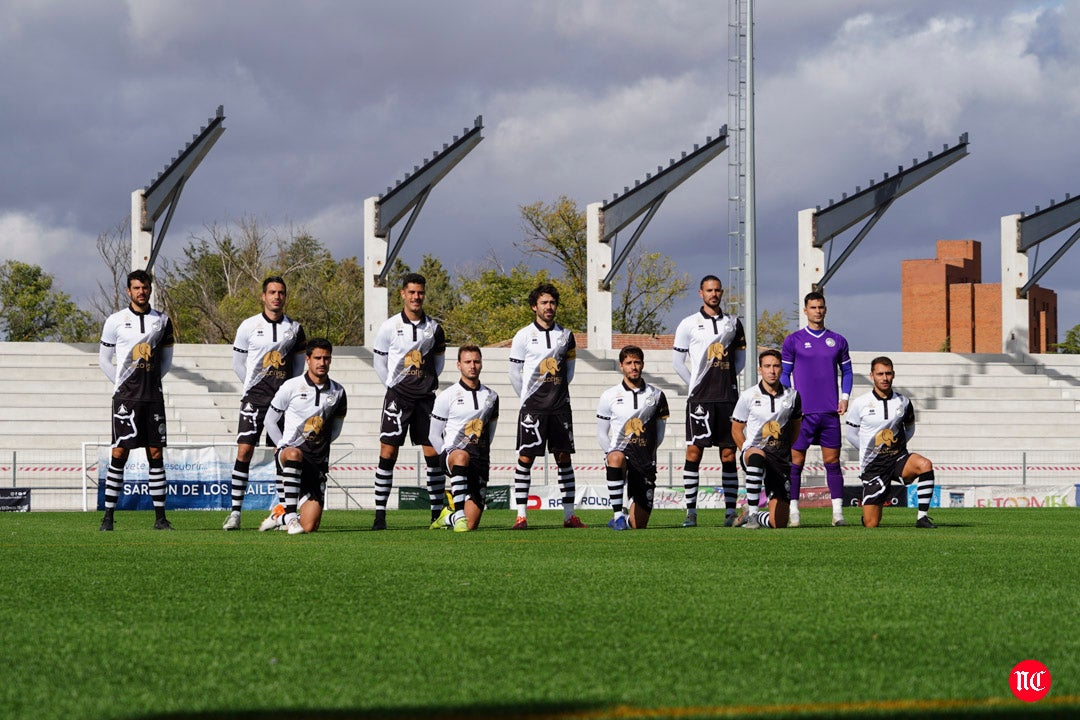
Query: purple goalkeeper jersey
[810, 360]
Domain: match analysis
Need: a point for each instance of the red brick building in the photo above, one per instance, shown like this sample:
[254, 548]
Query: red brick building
[947, 307]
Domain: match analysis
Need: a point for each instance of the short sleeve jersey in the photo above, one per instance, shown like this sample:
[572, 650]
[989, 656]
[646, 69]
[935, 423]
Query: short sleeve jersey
[468, 415]
[881, 424]
[310, 411]
[139, 339]
[814, 359]
[709, 342]
[544, 355]
[768, 419]
[410, 349]
[268, 347]
[635, 416]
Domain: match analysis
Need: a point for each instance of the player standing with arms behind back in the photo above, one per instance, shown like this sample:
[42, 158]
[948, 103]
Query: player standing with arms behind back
[268, 350]
[714, 345]
[410, 349]
[811, 358]
[141, 340]
[542, 357]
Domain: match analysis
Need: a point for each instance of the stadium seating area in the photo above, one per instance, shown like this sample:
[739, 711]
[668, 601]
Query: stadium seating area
[976, 412]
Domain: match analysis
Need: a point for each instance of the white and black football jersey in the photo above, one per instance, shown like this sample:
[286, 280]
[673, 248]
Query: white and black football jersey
[138, 340]
[310, 411]
[632, 420]
[410, 350]
[709, 343]
[768, 419]
[546, 358]
[881, 426]
[466, 418]
[269, 349]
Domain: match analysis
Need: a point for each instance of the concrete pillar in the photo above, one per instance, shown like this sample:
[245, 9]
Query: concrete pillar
[142, 232]
[376, 300]
[1014, 275]
[811, 259]
[598, 263]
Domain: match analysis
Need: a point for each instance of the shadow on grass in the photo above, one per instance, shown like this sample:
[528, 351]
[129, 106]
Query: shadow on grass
[601, 712]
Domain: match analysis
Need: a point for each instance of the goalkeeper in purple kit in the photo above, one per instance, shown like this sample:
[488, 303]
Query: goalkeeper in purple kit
[811, 358]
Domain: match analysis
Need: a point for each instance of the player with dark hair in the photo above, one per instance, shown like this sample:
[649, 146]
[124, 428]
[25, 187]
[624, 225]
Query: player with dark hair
[630, 422]
[709, 353]
[304, 417]
[462, 427]
[542, 357]
[765, 423]
[811, 358]
[268, 350]
[880, 424]
[410, 349]
[140, 341]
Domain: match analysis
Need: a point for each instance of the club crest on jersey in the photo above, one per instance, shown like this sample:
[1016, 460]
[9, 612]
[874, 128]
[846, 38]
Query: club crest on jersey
[313, 426]
[830, 342]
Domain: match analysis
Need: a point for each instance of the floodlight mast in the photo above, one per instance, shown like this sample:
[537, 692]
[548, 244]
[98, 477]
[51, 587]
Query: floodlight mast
[819, 227]
[604, 220]
[163, 194]
[383, 212]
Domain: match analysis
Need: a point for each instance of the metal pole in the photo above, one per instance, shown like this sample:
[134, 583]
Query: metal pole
[750, 279]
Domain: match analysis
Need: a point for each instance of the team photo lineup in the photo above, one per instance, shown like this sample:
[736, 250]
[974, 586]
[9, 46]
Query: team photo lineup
[803, 391]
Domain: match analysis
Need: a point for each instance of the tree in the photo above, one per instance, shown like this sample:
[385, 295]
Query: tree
[493, 306]
[647, 289]
[651, 285]
[114, 247]
[1071, 346]
[773, 327]
[217, 283]
[441, 295]
[31, 310]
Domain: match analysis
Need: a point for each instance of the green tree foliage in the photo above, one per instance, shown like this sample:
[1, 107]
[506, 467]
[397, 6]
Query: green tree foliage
[773, 327]
[493, 305]
[646, 289]
[442, 294]
[1071, 346]
[31, 310]
[218, 282]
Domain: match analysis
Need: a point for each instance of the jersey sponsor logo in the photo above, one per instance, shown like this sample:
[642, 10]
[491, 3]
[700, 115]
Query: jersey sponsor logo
[313, 426]
[413, 359]
[272, 359]
[474, 427]
[141, 351]
[634, 427]
[885, 437]
[549, 366]
[771, 430]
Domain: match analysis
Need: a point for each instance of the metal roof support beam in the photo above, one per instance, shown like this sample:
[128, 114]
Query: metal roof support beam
[604, 221]
[822, 226]
[163, 194]
[853, 244]
[383, 212]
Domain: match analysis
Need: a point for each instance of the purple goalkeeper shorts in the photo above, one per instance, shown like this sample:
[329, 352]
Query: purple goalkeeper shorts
[818, 429]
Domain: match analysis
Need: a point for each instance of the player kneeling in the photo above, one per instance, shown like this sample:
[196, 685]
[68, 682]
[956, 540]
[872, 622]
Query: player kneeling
[630, 422]
[463, 424]
[313, 407]
[764, 424]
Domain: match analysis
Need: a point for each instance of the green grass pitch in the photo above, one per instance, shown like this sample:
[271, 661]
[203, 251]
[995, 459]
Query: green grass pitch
[548, 623]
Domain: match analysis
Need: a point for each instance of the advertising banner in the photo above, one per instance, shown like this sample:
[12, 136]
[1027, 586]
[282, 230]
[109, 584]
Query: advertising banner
[197, 479]
[1009, 496]
[14, 499]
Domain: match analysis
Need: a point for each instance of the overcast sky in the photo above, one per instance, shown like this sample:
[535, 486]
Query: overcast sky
[327, 103]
